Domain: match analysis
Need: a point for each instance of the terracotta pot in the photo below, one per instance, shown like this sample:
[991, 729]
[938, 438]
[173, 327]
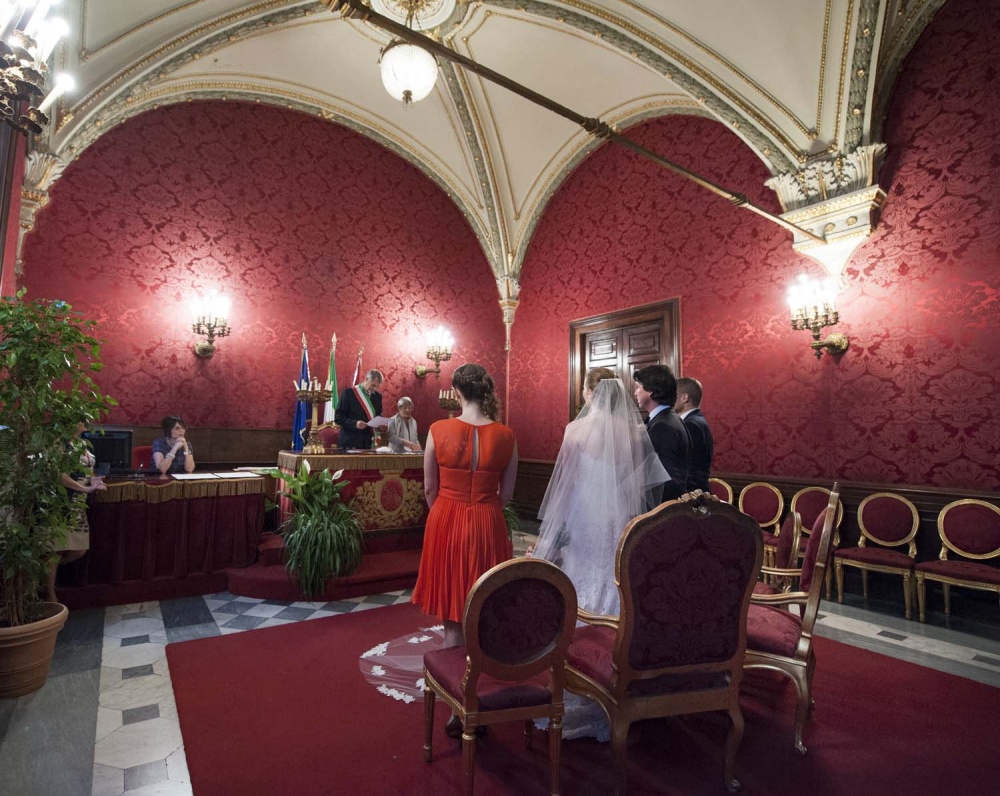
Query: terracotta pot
[26, 651]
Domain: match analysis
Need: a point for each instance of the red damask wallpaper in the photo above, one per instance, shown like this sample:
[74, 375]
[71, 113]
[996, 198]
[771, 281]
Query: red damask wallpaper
[914, 400]
[309, 227]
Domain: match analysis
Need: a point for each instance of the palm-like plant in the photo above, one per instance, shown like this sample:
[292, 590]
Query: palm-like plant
[323, 537]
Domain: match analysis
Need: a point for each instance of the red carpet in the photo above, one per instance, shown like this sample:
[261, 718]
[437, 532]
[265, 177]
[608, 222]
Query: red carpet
[285, 710]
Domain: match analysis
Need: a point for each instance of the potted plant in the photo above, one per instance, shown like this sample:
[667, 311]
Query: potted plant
[46, 356]
[323, 537]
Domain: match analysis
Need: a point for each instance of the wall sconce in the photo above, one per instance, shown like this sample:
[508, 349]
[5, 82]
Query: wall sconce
[439, 343]
[813, 307]
[210, 317]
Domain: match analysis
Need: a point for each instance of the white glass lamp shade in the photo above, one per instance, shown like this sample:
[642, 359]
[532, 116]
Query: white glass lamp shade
[409, 72]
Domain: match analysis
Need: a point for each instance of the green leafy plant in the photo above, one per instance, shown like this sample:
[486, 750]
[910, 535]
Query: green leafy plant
[512, 518]
[323, 536]
[46, 357]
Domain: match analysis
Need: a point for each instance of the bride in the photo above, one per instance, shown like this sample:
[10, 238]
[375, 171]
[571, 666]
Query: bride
[606, 474]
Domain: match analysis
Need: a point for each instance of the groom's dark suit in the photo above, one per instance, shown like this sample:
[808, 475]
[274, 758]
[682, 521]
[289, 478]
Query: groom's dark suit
[672, 444]
[702, 449]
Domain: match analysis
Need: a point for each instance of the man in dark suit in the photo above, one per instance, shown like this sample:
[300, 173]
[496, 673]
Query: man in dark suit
[357, 406]
[688, 409]
[656, 393]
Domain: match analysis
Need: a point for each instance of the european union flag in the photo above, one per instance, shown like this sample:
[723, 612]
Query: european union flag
[301, 407]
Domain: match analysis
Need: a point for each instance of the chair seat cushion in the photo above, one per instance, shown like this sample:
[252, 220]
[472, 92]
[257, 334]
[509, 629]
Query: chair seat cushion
[447, 667]
[876, 555]
[770, 539]
[764, 588]
[773, 630]
[963, 570]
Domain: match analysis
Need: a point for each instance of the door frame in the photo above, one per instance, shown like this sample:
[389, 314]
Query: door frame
[668, 313]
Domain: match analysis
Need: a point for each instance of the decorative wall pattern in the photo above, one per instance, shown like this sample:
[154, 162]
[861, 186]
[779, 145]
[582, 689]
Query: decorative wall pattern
[914, 400]
[308, 226]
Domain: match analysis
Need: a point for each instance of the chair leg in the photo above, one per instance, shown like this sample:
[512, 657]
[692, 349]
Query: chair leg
[469, 758]
[947, 598]
[864, 584]
[829, 584]
[733, 740]
[908, 594]
[801, 680]
[429, 696]
[619, 752]
[555, 752]
[922, 597]
[839, 567]
[529, 726]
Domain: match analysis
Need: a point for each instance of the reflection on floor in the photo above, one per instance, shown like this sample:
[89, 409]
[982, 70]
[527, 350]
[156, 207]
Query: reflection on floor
[106, 722]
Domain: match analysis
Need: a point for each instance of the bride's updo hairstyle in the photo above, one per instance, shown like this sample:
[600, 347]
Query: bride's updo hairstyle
[595, 376]
[475, 384]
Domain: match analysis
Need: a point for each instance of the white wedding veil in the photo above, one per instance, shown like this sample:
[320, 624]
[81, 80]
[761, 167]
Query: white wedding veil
[606, 473]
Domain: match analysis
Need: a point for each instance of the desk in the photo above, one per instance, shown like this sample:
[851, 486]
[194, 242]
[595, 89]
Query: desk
[385, 489]
[143, 530]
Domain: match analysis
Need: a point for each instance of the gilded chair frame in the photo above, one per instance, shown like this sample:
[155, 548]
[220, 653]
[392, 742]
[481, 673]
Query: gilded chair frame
[906, 573]
[775, 521]
[725, 485]
[478, 664]
[946, 581]
[805, 533]
[801, 667]
[624, 709]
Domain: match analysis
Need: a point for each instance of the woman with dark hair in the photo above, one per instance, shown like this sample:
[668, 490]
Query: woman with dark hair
[172, 452]
[469, 468]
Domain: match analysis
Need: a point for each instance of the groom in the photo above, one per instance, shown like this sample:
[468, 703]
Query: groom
[656, 393]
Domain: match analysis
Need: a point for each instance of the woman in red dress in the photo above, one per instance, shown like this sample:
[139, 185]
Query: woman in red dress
[469, 468]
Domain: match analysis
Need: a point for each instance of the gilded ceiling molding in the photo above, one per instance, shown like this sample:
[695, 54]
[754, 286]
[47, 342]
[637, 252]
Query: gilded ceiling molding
[41, 170]
[86, 55]
[862, 65]
[905, 21]
[748, 123]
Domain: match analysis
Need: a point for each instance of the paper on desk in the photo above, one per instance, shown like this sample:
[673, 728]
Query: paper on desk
[378, 422]
[237, 474]
[194, 476]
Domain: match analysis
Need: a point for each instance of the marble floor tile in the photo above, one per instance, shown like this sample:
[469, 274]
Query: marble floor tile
[177, 767]
[107, 722]
[276, 623]
[109, 677]
[132, 640]
[139, 743]
[244, 622]
[135, 693]
[267, 611]
[137, 671]
[228, 631]
[323, 615]
[126, 628]
[249, 599]
[145, 713]
[165, 788]
[80, 643]
[312, 606]
[145, 774]
[136, 655]
[295, 614]
[186, 611]
[234, 608]
[108, 781]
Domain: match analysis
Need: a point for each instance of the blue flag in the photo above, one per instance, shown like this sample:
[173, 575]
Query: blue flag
[301, 407]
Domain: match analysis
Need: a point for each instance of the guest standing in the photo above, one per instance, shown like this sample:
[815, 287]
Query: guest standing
[656, 393]
[688, 408]
[403, 428]
[469, 469]
[172, 453]
[357, 406]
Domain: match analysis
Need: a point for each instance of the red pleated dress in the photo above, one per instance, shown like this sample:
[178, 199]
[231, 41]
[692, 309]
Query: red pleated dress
[465, 534]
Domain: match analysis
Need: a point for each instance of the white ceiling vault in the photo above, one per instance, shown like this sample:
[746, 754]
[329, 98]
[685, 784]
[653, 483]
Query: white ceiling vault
[799, 81]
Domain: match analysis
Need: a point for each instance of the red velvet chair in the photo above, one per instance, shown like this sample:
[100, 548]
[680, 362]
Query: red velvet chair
[785, 556]
[329, 435]
[889, 520]
[142, 457]
[970, 529]
[685, 572]
[810, 503]
[764, 503]
[780, 640]
[518, 622]
[721, 489]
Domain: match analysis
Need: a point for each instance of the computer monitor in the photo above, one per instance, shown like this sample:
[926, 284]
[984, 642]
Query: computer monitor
[112, 447]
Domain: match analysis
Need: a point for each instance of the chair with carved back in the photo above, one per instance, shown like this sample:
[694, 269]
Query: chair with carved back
[685, 572]
[889, 521]
[969, 529]
[142, 457]
[518, 622]
[810, 502]
[721, 489]
[785, 556]
[781, 640]
[764, 502]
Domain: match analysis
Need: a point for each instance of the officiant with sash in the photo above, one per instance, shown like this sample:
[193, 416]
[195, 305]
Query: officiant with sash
[358, 405]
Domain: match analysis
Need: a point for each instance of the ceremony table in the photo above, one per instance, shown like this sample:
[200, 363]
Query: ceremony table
[151, 530]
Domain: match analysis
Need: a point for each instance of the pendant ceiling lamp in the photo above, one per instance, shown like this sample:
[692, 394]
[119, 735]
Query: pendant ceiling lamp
[409, 72]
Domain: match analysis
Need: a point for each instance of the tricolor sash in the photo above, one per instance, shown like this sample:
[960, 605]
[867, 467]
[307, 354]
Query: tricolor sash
[366, 402]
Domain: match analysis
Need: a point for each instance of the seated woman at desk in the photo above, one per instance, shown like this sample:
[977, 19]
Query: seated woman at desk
[171, 452]
[403, 428]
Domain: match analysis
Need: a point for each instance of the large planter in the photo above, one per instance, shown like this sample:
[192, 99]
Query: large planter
[26, 651]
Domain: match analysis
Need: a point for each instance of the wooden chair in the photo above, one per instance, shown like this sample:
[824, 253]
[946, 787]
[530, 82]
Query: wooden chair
[764, 503]
[685, 572]
[785, 556]
[889, 520]
[970, 529]
[721, 489]
[780, 640]
[810, 502]
[518, 622]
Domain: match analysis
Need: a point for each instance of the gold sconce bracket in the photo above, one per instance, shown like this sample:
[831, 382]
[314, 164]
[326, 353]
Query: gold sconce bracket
[423, 371]
[204, 349]
[835, 343]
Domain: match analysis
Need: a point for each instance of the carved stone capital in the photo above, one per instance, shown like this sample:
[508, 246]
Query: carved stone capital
[40, 172]
[828, 178]
[510, 289]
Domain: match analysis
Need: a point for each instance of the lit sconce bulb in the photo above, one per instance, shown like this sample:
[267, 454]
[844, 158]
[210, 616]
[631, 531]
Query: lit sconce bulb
[197, 306]
[830, 294]
[439, 338]
[49, 34]
[38, 17]
[63, 83]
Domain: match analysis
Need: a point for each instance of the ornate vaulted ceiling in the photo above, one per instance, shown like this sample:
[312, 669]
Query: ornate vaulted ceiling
[797, 80]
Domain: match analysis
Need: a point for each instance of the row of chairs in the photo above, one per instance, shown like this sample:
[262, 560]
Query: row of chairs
[968, 529]
[690, 624]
